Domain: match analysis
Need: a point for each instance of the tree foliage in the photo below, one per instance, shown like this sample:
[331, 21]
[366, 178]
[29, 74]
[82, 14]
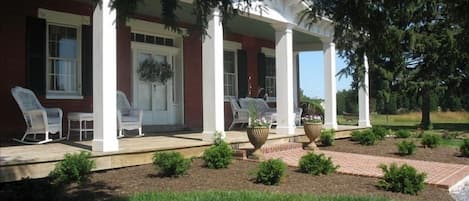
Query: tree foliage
[413, 46]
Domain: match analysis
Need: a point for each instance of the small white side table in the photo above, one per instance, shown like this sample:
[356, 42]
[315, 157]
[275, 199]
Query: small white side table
[82, 118]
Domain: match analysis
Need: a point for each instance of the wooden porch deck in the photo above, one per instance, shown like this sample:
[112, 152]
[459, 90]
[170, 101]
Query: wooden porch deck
[36, 161]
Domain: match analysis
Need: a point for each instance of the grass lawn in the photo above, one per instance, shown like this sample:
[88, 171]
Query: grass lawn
[443, 122]
[242, 195]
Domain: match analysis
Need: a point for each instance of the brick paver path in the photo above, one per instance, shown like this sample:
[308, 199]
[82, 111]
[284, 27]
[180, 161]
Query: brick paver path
[440, 174]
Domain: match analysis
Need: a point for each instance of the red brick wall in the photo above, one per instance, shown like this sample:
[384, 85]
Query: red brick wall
[12, 63]
[124, 63]
[193, 82]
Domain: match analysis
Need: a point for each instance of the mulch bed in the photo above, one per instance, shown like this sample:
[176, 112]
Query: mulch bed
[123, 182]
[388, 148]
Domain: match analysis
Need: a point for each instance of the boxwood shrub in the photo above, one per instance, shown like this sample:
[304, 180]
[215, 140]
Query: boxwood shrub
[271, 172]
[171, 164]
[403, 179]
[74, 168]
[367, 138]
[431, 140]
[406, 147]
[218, 155]
[315, 164]
[464, 149]
[403, 133]
[379, 132]
[327, 137]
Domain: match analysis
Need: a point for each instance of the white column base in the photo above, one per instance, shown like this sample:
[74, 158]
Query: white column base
[105, 146]
[209, 135]
[364, 123]
[330, 125]
[285, 130]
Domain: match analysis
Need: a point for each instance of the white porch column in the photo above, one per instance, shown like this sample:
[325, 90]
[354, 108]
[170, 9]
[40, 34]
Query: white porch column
[296, 80]
[330, 90]
[364, 99]
[104, 79]
[284, 78]
[212, 77]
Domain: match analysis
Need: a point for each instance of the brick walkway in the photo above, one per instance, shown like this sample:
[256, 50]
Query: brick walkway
[439, 174]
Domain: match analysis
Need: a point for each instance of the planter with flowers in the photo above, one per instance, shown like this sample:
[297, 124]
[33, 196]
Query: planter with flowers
[258, 131]
[312, 125]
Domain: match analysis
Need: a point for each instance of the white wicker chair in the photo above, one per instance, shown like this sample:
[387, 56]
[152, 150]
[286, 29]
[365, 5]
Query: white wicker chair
[39, 120]
[240, 116]
[128, 118]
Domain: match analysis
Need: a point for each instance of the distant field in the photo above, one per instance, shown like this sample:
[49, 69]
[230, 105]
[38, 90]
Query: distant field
[442, 121]
[414, 118]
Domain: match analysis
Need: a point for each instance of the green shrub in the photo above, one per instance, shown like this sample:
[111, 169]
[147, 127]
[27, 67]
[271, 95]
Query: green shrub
[402, 133]
[379, 132]
[465, 148]
[327, 137]
[271, 172]
[218, 156]
[171, 163]
[450, 135]
[367, 138]
[74, 168]
[404, 179]
[431, 140]
[356, 135]
[316, 164]
[406, 147]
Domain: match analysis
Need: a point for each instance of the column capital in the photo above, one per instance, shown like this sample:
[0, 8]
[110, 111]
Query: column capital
[282, 27]
[327, 40]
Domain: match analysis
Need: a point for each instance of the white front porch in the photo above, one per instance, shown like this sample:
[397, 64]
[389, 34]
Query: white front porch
[21, 161]
[279, 25]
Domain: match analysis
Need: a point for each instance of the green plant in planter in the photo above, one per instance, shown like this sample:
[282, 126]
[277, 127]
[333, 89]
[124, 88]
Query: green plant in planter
[403, 133]
[171, 164]
[406, 147]
[74, 168]
[431, 140]
[218, 155]
[316, 164]
[403, 179]
[271, 172]
[154, 71]
[464, 149]
[254, 120]
[327, 137]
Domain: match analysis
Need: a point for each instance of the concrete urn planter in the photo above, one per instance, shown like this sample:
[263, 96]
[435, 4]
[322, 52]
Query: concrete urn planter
[257, 137]
[312, 131]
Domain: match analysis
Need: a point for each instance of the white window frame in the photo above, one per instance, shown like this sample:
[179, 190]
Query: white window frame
[231, 46]
[64, 20]
[270, 53]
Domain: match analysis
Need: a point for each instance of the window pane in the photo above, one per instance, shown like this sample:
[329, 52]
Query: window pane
[62, 42]
[62, 70]
[229, 62]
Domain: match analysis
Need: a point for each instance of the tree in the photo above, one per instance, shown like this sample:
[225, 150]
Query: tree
[412, 45]
[202, 9]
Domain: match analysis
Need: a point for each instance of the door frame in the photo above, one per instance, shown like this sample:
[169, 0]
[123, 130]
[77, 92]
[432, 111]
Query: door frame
[171, 52]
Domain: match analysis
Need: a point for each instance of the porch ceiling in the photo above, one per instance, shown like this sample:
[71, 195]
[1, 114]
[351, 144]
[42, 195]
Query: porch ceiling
[240, 24]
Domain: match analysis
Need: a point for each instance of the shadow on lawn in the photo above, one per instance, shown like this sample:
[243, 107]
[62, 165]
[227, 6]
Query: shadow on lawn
[459, 127]
[41, 189]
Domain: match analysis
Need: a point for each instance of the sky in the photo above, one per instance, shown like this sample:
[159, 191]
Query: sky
[312, 74]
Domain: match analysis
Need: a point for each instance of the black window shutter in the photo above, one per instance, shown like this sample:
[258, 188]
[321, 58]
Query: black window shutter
[261, 70]
[242, 74]
[36, 55]
[87, 60]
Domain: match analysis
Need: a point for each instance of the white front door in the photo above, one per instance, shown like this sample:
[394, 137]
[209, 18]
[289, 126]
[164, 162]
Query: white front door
[154, 98]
